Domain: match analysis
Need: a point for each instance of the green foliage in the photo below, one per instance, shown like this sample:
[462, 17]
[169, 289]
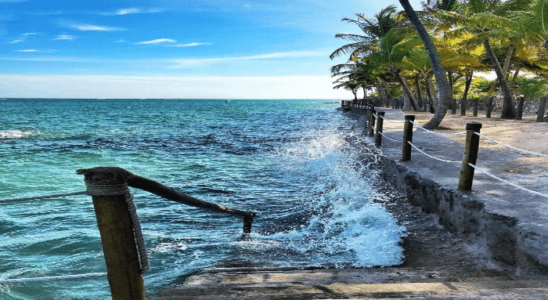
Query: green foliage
[532, 88]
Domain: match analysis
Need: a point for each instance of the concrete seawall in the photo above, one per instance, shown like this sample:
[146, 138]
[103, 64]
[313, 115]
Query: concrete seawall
[508, 223]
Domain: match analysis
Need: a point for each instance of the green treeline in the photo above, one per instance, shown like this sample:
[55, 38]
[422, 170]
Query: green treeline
[508, 38]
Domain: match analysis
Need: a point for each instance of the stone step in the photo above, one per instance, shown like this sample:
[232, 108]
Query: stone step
[389, 283]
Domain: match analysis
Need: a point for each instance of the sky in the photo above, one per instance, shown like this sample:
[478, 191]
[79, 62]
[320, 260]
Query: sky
[227, 49]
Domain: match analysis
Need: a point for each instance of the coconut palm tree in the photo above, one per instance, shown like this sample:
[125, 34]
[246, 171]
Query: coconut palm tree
[383, 22]
[439, 73]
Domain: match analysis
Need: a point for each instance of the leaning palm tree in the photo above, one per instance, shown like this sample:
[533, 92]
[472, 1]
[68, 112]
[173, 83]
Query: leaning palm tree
[444, 89]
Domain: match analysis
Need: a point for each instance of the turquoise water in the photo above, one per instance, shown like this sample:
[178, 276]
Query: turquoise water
[288, 160]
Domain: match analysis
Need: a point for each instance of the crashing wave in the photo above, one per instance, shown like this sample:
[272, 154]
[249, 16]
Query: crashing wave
[14, 134]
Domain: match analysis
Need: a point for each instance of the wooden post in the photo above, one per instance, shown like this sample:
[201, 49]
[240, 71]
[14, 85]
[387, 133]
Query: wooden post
[541, 109]
[378, 136]
[407, 137]
[470, 156]
[108, 187]
[371, 121]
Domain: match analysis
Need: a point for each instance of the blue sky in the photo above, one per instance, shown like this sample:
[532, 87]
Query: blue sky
[254, 49]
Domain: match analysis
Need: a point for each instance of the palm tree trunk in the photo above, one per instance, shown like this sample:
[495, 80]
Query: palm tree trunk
[453, 100]
[463, 100]
[441, 80]
[406, 90]
[508, 111]
[418, 88]
[430, 93]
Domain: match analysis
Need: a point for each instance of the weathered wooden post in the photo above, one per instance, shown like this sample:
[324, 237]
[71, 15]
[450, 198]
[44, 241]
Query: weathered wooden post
[407, 137]
[108, 188]
[378, 136]
[471, 148]
[541, 109]
[371, 121]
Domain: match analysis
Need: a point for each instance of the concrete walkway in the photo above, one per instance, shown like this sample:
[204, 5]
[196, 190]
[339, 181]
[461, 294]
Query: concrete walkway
[528, 211]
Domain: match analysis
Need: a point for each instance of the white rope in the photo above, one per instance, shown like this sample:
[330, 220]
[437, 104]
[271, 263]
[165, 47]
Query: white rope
[52, 278]
[139, 240]
[392, 121]
[434, 132]
[388, 137]
[41, 197]
[433, 157]
[513, 148]
[507, 182]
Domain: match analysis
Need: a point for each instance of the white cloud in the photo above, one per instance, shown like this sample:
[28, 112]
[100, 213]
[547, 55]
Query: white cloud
[157, 41]
[263, 87]
[120, 41]
[22, 39]
[127, 11]
[65, 37]
[90, 27]
[190, 45]
[46, 59]
[27, 50]
[183, 63]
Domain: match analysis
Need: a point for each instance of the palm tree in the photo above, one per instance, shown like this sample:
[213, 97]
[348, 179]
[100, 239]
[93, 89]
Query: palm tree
[383, 22]
[493, 20]
[443, 86]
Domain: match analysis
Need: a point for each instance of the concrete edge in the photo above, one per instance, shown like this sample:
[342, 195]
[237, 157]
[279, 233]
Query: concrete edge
[465, 213]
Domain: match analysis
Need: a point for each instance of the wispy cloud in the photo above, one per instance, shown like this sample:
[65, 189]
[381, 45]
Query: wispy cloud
[157, 41]
[127, 11]
[131, 10]
[190, 45]
[27, 50]
[65, 37]
[46, 59]
[22, 38]
[91, 27]
[170, 43]
[183, 63]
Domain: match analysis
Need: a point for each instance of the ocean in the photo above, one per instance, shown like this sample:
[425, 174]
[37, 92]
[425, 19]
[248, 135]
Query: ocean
[288, 160]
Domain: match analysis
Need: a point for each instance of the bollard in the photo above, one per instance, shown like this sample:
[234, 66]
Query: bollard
[248, 221]
[108, 188]
[470, 156]
[407, 137]
[371, 121]
[378, 136]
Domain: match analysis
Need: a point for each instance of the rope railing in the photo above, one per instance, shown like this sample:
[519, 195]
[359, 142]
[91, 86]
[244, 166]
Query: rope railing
[41, 197]
[433, 157]
[507, 182]
[511, 147]
[120, 229]
[468, 164]
[391, 139]
[51, 278]
[439, 133]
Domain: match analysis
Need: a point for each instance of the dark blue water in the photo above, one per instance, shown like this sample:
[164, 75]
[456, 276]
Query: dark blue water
[287, 160]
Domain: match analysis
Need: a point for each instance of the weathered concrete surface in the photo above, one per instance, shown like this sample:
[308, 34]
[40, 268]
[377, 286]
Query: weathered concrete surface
[512, 223]
[351, 284]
